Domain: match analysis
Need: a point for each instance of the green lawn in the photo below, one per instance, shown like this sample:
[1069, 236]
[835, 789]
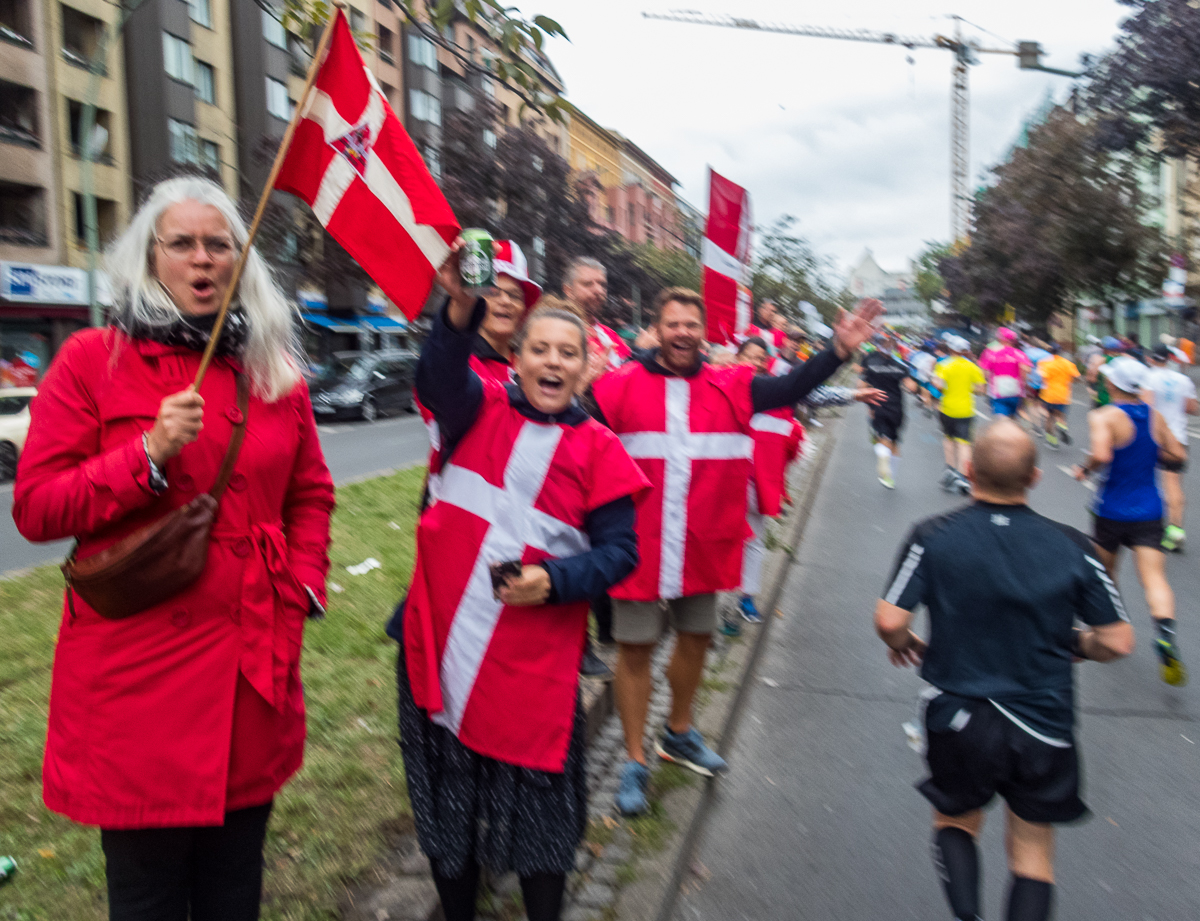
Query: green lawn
[330, 823]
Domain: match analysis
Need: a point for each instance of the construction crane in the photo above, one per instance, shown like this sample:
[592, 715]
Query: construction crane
[966, 55]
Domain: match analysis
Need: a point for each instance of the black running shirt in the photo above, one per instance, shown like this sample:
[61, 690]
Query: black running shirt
[1004, 587]
[885, 372]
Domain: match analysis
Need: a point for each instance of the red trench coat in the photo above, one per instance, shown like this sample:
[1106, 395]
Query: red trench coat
[193, 707]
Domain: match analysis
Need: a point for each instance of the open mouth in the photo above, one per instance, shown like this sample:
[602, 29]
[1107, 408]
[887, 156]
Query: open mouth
[551, 385]
[203, 288]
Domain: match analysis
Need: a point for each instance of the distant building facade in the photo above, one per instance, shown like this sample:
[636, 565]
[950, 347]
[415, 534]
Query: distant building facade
[895, 289]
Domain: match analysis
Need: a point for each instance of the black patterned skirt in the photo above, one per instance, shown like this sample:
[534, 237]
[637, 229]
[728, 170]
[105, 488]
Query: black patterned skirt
[469, 807]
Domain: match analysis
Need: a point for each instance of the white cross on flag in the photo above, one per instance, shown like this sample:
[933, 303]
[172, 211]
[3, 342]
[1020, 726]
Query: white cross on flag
[513, 524]
[354, 164]
[726, 258]
[679, 447]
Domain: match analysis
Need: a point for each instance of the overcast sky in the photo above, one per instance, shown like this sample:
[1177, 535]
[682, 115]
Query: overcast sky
[850, 138]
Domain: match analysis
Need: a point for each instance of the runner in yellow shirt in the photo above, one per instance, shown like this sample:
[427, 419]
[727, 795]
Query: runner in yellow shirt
[1058, 374]
[959, 379]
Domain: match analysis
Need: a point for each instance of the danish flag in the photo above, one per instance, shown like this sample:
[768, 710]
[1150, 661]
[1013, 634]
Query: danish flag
[353, 163]
[726, 258]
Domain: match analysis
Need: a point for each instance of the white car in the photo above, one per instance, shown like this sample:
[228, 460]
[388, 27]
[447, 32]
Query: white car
[14, 425]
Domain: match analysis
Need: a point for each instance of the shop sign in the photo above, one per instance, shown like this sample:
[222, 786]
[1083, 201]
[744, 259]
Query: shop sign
[26, 283]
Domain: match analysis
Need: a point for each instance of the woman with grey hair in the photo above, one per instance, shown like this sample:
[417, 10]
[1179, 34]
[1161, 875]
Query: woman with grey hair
[173, 729]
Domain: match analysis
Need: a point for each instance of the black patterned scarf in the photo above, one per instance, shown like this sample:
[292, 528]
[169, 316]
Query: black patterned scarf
[191, 332]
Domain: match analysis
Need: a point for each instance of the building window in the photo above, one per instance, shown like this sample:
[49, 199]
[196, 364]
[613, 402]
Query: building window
[22, 214]
[106, 220]
[278, 103]
[201, 12]
[433, 159]
[183, 141]
[100, 131]
[80, 37]
[177, 58]
[206, 82]
[537, 163]
[385, 41]
[358, 22]
[273, 30]
[19, 115]
[210, 155]
[16, 26]
[489, 138]
[424, 107]
[421, 51]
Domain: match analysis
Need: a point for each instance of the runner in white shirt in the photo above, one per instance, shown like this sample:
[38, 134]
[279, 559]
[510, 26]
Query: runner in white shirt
[1173, 394]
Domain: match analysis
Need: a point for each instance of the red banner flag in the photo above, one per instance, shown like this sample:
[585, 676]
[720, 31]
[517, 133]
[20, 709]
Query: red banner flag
[726, 258]
[354, 164]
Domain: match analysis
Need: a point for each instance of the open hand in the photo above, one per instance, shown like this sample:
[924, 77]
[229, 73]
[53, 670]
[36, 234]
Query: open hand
[180, 419]
[850, 330]
[870, 395]
[531, 587]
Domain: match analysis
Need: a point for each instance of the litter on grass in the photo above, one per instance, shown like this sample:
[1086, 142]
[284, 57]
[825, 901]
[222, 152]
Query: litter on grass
[364, 567]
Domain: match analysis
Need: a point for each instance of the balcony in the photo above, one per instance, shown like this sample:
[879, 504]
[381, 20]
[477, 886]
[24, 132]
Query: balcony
[386, 44]
[19, 115]
[22, 215]
[16, 23]
[81, 38]
[101, 148]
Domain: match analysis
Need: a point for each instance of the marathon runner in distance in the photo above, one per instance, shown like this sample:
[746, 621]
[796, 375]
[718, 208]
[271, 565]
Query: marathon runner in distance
[922, 362]
[1057, 374]
[1007, 367]
[959, 379]
[1174, 395]
[882, 370]
[1004, 587]
[1131, 438]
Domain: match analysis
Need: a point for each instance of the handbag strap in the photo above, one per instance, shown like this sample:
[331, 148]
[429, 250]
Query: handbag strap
[235, 442]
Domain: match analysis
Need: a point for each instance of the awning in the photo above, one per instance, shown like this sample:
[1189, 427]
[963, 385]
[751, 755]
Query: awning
[333, 324]
[383, 324]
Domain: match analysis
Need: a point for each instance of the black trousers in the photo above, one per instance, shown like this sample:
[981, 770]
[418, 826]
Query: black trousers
[602, 609]
[162, 874]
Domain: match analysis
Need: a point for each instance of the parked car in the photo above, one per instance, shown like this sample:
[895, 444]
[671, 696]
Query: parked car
[374, 385]
[14, 424]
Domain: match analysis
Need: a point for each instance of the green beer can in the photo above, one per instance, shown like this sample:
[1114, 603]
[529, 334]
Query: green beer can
[8, 867]
[475, 260]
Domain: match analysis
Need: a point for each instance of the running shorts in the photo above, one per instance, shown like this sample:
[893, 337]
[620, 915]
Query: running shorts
[975, 752]
[1057, 407]
[956, 428]
[1173, 466]
[1112, 534]
[1005, 406]
[641, 623]
[886, 423]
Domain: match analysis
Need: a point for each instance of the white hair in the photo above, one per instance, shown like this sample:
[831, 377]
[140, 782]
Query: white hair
[581, 262]
[273, 354]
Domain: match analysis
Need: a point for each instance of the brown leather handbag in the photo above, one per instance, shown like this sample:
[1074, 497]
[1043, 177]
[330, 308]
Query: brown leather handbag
[161, 559]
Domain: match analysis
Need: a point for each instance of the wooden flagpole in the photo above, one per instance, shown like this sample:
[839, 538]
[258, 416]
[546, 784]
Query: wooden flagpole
[313, 68]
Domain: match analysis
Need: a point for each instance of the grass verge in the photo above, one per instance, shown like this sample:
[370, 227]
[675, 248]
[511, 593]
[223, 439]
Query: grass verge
[330, 823]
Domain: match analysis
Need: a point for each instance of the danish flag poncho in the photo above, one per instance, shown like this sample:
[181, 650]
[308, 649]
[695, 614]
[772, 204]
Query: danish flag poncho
[504, 678]
[692, 438]
[604, 339]
[488, 369]
[777, 440]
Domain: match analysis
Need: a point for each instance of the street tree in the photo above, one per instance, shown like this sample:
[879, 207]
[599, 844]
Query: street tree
[788, 270]
[929, 284]
[1063, 218]
[1147, 90]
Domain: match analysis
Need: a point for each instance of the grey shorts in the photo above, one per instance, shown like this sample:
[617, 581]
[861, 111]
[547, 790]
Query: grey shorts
[643, 622]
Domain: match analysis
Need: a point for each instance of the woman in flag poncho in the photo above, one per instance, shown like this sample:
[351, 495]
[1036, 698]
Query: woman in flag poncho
[531, 515]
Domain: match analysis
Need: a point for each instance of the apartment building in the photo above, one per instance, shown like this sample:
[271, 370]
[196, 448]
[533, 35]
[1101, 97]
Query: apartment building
[180, 89]
[47, 51]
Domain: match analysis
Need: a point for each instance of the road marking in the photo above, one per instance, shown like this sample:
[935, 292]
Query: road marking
[330, 429]
[1087, 484]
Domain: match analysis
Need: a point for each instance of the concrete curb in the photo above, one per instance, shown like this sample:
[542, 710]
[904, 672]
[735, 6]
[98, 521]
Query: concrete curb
[774, 578]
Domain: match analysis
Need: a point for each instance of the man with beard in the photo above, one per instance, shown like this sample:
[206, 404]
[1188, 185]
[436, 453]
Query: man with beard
[689, 427]
[585, 284]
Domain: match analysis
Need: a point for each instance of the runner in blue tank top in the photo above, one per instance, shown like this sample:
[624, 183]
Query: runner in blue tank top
[1131, 437]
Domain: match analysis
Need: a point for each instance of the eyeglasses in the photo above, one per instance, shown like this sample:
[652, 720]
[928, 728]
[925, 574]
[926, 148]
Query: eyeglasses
[218, 248]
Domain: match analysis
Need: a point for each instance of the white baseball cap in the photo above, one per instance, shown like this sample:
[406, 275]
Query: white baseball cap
[508, 259]
[1125, 373]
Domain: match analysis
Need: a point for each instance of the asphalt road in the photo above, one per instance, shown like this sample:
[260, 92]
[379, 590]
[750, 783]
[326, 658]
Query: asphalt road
[818, 818]
[354, 450]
